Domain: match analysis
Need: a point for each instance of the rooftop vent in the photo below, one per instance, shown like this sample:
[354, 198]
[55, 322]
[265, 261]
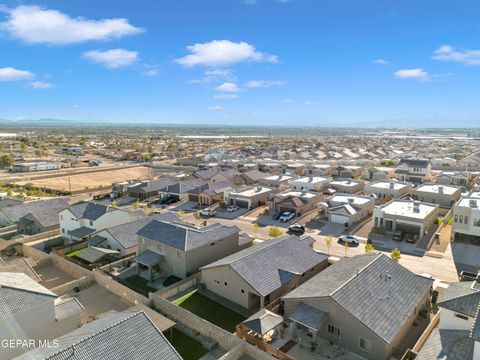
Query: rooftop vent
[473, 203]
[351, 200]
[392, 185]
[440, 189]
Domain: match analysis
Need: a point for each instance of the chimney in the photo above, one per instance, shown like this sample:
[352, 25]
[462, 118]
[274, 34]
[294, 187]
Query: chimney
[473, 203]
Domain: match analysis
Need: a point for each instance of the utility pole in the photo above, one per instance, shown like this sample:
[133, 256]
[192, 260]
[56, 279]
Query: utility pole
[69, 186]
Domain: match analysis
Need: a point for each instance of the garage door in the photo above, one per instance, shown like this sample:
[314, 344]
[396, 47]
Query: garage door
[242, 203]
[339, 219]
[408, 229]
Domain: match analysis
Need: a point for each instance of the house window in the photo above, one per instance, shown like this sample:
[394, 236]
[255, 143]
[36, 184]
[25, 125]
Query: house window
[179, 253]
[243, 291]
[334, 331]
[476, 222]
[212, 244]
[226, 284]
[61, 217]
[455, 219]
[466, 219]
[91, 223]
[63, 231]
[460, 316]
[461, 219]
[365, 344]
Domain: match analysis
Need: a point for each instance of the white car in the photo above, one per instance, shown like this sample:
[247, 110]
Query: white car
[232, 208]
[350, 239]
[287, 216]
[207, 212]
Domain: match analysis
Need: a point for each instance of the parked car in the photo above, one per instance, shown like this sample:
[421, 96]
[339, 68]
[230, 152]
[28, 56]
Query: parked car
[286, 216]
[232, 208]
[296, 229]
[397, 236]
[207, 212]
[410, 238]
[353, 240]
[170, 201]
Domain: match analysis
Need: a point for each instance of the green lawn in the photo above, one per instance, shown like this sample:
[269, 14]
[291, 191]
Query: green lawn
[210, 310]
[73, 253]
[188, 348]
[138, 284]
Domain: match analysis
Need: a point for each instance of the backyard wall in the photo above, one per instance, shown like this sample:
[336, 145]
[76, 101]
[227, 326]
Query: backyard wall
[180, 286]
[120, 290]
[40, 257]
[69, 267]
[81, 283]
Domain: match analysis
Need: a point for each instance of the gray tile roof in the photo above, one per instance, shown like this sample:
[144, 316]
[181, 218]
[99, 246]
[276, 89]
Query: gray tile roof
[377, 291]
[447, 345]
[183, 186]
[19, 293]
[460, 297]
[309, 316]
[89, 210]
[475, 334]
[80, 232]
[126, 234]
[119, 336]
[184, 237]
[148, 258]
[263, 321]
[66, 307]
[93, 254]
[45, 211]
[268, 266]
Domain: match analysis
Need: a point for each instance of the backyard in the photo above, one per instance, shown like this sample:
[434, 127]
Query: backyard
[188, 348]
[138, 284]
[210, 310]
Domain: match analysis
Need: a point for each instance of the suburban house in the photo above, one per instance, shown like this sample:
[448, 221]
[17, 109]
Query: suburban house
[387, 190]
[254, 277]
[80, 220]
[276, 181]
[346, 172]
[456, 178]
[210, 193]
[310, 183]
[442, 163]
[33, 217]
[376, 173]
[348, 209]
[119, 335]
[32, 312]
[253, 176]
[444, 195]
[319, 170]
[298, 202]
[123, 238]
[149, 189]
[414, 170]
[249, 197]
[470, 162]
[365, 304]
[180, 249]
[466, 220]
[458, 333]
[407, 216]
[6, 201]
[347, 186]
[181, 190]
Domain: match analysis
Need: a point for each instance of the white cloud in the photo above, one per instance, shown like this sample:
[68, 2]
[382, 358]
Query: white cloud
[215, 75]
[264, 83]
[226, 96]
[449, 53]
[228, 87]
[40, 85]
[381, 61]
[287, 101]
[37, 25]
[112, 59]
[417, 73]
[223, 53]
[308, 103]
[12, 74]
[217, 108]
[151, 72]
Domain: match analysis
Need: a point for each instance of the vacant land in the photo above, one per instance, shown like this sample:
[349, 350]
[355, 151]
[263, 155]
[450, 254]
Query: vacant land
[210, 310]
[94, 180]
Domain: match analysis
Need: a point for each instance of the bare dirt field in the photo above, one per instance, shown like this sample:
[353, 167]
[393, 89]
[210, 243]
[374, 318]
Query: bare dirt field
[94, 180]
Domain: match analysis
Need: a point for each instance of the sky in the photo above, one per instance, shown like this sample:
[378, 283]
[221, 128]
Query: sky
[242, 62]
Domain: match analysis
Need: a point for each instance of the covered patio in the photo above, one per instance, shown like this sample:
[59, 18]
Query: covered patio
[150, 261]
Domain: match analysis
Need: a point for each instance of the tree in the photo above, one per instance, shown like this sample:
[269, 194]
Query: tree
[274, 231]
[145, 207]
[7, 160]
[346, 245]
[255, 228]
[329, 241]
[181, 213]
[197, 215]
[369, 248]
[395, 255]
[135, 204]
[114, 203]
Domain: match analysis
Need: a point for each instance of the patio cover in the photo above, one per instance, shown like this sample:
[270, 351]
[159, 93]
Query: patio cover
[149, 258]
[308, 316]
[263, 321]
[81, 232]
[93, 254]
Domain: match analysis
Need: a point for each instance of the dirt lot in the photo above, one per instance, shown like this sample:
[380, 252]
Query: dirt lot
[96, 179]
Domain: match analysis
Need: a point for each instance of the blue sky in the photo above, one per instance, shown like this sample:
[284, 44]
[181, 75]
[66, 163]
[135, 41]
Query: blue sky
[296, 62]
